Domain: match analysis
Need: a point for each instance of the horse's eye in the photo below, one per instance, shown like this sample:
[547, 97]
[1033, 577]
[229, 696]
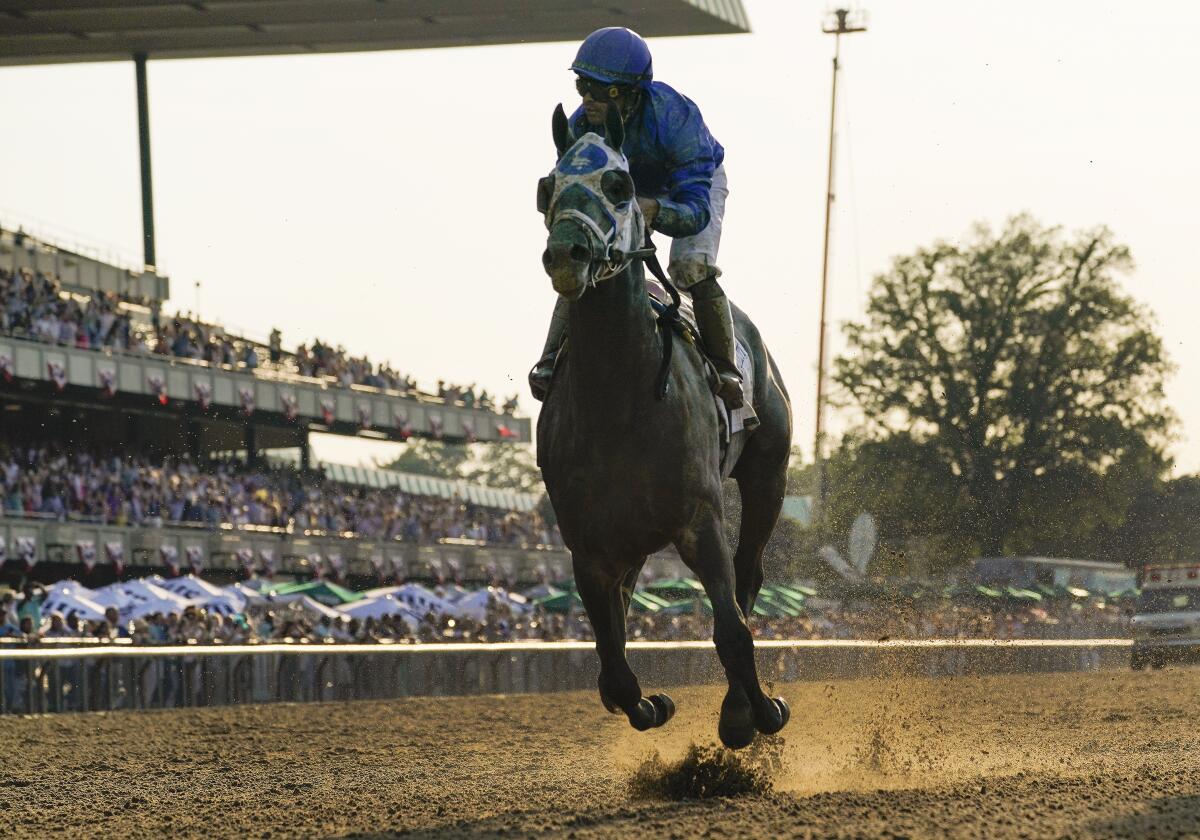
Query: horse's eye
[544, 193]
[617, 186]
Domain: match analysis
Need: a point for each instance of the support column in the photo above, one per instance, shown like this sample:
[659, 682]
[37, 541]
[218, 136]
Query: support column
[143, 105]
[251, 445]
[192, 438]
[305, 454]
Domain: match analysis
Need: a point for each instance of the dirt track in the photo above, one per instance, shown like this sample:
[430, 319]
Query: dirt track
[1096, 755]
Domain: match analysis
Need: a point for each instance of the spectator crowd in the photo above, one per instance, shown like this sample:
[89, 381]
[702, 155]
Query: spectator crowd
[528, 620]
[138, 490]
[34, 305]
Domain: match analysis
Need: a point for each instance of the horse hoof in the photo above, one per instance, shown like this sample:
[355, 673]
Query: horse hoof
[785, 714]
[664, 708]
[645, 716]
[736, 737]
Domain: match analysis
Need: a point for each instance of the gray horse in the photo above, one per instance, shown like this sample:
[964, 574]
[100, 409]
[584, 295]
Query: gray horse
[629, 470]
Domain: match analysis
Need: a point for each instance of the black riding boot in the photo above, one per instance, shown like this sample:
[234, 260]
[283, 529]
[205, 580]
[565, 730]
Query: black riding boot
[543, 371]
[715, 321]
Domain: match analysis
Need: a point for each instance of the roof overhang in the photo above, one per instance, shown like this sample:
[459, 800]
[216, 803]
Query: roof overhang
[63, 31]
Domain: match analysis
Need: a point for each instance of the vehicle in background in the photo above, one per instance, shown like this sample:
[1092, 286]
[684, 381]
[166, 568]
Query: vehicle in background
[1166, 620]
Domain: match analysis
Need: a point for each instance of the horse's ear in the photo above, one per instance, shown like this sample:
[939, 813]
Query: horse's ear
[561, 130]
[614, 127]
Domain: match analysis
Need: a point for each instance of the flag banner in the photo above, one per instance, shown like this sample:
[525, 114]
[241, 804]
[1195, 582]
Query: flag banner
[195, 558]
[58, 375]
[317, 563]
[403, 427]
[85, 550]
[506, 433]
[289, 403]
[203, 391]
[469, 431]
[364, 415]
[158, 386]
[246, 397]
[398, 569]
[454, 570]
[327, 406]
[245, 558]
[437, 571]
[115, 552]
[435, 426]
[267, 557]
[170, 559]
[27, 551]
[6, 367]
[108, 380]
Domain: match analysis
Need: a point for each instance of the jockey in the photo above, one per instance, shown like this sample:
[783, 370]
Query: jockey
[677, 167]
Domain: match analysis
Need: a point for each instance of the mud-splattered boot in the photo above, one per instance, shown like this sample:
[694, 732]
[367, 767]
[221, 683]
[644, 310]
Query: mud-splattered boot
[543, 371]
[715, 321]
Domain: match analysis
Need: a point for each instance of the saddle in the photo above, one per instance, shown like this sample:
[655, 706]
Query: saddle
[732, 422]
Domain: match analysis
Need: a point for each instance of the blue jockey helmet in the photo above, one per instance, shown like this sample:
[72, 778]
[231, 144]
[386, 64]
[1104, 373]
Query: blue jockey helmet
[614, 55]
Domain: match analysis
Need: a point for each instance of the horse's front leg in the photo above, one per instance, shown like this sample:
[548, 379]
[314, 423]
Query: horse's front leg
[606, 597]
[746, 708]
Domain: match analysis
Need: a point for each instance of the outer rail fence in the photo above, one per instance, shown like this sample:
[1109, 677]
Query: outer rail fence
[49, 678]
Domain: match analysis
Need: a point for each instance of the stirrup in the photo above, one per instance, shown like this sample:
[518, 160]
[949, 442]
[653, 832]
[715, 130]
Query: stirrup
[729, 389]
[539, 378]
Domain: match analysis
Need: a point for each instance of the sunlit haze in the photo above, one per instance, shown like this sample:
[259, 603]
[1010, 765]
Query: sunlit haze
[385, 201]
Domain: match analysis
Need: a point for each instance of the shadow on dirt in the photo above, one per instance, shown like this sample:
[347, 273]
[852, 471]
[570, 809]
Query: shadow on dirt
[1169, 816]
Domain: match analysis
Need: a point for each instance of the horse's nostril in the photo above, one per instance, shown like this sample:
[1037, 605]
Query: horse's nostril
[580, 253]
[546, 258]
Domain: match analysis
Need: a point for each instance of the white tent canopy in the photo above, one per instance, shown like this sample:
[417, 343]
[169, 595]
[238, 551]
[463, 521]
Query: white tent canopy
[190, 586]
[125, 594]
[416, 598]
[381, 606]
[141, 609]
[311, 609]
[476, 604]
[66, 599]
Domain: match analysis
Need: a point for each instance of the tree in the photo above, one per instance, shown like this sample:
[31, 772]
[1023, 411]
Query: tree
[505, 466]
[431, 457]
[1009, 393]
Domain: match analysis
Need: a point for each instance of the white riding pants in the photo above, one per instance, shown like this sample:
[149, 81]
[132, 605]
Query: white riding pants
[693, 257]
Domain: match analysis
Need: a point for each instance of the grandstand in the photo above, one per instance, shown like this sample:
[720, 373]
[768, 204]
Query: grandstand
[86, 367]
[92, 368]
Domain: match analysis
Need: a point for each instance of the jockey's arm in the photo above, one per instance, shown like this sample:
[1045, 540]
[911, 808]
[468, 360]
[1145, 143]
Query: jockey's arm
[685, 209]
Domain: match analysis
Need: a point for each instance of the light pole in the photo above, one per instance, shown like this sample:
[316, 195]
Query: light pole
[840, 22]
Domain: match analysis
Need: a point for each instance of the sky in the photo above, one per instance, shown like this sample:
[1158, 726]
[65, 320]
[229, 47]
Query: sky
[385, 201]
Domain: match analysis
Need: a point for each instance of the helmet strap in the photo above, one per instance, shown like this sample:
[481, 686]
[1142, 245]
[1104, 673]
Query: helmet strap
[631, 104]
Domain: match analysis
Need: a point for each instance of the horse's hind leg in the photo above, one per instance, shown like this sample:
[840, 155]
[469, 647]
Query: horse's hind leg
[606, 599]
[746, 708]
[761, 476]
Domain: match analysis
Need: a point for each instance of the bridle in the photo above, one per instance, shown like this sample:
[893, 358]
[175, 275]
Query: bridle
[616, 248]
[615, 259]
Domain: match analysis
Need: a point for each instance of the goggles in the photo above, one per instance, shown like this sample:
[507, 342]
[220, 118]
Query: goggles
[600, 91]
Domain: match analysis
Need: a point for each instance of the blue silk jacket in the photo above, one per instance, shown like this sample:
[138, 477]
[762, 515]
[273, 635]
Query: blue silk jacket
[672, 157]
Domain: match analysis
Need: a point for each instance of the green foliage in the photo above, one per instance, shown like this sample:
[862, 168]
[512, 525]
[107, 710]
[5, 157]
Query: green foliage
[431, 457]
[1011, 396]
[505, 466]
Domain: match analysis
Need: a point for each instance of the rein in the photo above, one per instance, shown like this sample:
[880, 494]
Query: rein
[668, 317]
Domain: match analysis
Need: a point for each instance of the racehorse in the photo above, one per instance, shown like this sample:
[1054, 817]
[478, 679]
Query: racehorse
[631, 469]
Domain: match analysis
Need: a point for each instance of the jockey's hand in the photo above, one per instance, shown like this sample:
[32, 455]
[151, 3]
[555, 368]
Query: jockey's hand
[649, 209]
